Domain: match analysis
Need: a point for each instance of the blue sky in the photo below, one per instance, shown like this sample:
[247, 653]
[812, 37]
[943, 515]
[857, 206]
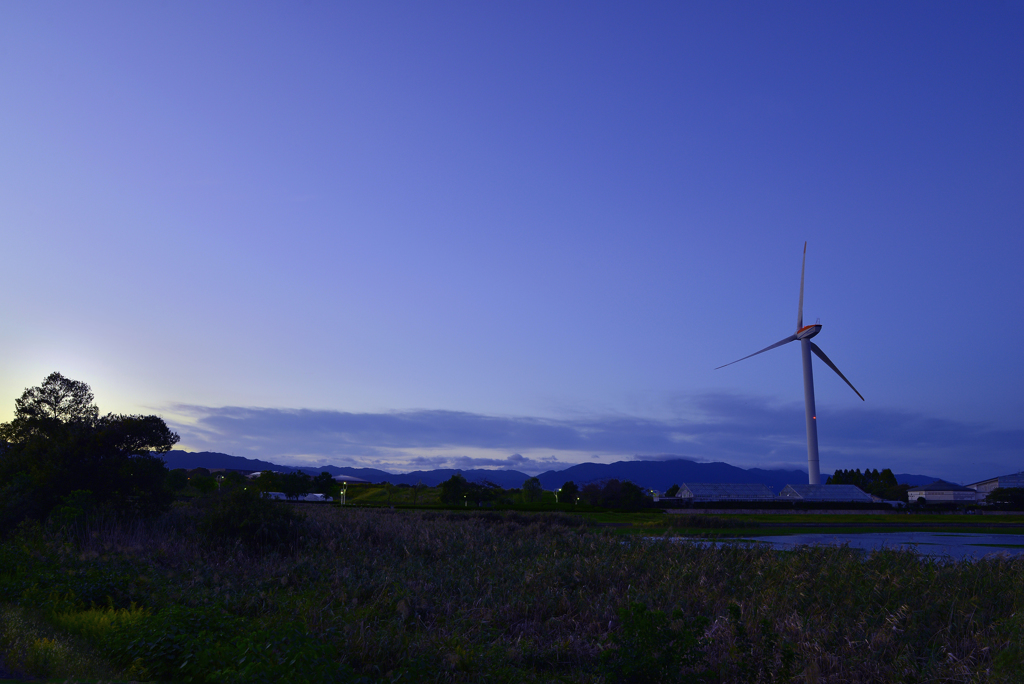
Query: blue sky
[402, 234]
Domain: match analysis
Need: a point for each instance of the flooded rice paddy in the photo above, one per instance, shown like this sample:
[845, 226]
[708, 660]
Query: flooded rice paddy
[956, 546]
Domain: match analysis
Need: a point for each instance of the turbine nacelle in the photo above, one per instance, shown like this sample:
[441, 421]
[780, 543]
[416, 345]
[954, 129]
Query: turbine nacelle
[808, 331]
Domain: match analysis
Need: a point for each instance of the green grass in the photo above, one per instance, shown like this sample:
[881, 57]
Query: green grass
[33, 645]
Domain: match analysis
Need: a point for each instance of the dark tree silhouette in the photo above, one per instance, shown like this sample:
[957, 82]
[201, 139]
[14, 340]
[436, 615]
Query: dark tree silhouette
[532, 490]
[568, 492]
[57, 443]
[296, 484]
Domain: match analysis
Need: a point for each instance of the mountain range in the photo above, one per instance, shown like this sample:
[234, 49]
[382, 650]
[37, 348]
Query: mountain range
[658, 475]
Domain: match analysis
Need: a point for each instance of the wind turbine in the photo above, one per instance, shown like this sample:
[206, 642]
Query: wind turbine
[803, 334]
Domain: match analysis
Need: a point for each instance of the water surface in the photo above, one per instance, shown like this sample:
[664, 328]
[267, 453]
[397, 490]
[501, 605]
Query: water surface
[953, 545]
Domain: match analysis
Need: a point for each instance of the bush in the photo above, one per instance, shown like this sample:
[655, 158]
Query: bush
[651, 648]
[258, 523]
[208, 645]
[32, 648]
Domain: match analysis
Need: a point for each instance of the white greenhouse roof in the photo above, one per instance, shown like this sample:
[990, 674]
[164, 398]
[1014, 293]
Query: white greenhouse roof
[809, 492]
[704, 491]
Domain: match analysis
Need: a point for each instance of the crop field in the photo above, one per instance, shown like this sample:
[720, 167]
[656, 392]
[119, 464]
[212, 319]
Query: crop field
[251, 591]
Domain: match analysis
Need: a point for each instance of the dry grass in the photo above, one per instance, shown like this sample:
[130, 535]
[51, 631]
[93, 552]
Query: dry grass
[501, 597]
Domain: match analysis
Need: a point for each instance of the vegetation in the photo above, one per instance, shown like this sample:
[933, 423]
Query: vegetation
[457, 491]
[1007, 498]
[615, 494]
[568, 492]
[101, 578]
[297, 484]
[58, 444]
[230, 587]
[881, 484]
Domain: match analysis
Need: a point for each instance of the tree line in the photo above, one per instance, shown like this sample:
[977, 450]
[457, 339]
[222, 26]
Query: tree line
[882, 484]
[620, 494]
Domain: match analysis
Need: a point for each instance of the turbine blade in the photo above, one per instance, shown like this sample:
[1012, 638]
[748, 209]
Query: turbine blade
[791, 338]
[821, 355]
[800, 311]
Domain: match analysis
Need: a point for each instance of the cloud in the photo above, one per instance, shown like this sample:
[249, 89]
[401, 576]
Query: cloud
[742, 430]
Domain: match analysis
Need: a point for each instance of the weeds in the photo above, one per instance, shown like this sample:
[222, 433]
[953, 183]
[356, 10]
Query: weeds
[450, 596]
[31, 647]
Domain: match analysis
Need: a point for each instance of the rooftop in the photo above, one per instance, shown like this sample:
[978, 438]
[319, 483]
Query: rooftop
[809, 492]
[718, 492]
[940, 486]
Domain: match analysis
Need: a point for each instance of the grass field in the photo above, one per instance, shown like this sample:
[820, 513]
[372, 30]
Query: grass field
[382, 595]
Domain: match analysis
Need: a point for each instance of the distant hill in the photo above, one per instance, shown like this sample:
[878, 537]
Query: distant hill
[211, 459]
[654, 474]
[905, 478]
[659, 475]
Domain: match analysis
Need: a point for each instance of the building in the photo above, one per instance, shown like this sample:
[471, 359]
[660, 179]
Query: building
[351, 479]
[281, 496]
[256, 473]
[825, 493]
[701, 492]
[985, 487]
[941, 491]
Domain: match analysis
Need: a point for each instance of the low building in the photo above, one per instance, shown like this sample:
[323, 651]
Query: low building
[256, 473]
[702, 492]
[351, 479]
[985, 487]
[941, 491]
[281, 496]
[825, 493]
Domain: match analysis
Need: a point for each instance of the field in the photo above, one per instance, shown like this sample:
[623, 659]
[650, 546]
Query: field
[393, 595]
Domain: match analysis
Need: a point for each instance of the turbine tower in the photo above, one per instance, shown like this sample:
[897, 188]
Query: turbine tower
[803, 334]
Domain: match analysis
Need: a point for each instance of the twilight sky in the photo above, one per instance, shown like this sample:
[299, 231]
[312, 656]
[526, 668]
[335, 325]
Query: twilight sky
[408, 235]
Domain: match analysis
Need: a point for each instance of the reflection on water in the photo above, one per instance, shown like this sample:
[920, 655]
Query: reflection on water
[955, 546]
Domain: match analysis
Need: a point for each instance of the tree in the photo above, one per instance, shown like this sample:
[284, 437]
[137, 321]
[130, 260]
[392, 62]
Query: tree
[1008, 497]
[325, 484]
[532, 490]
[296, 484]
[615, 494]
[568, 492]
[57, 443]
[672, 491]
[177, 479]
[202, 483]
[267, 481]
[882, 484]
[454, 490]
[457, 491]
[58, 398]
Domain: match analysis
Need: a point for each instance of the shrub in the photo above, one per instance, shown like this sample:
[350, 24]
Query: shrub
[30, 647]
[256, 522]
[74, 509]
[650, 648]
[101, 625]
[208, 645]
